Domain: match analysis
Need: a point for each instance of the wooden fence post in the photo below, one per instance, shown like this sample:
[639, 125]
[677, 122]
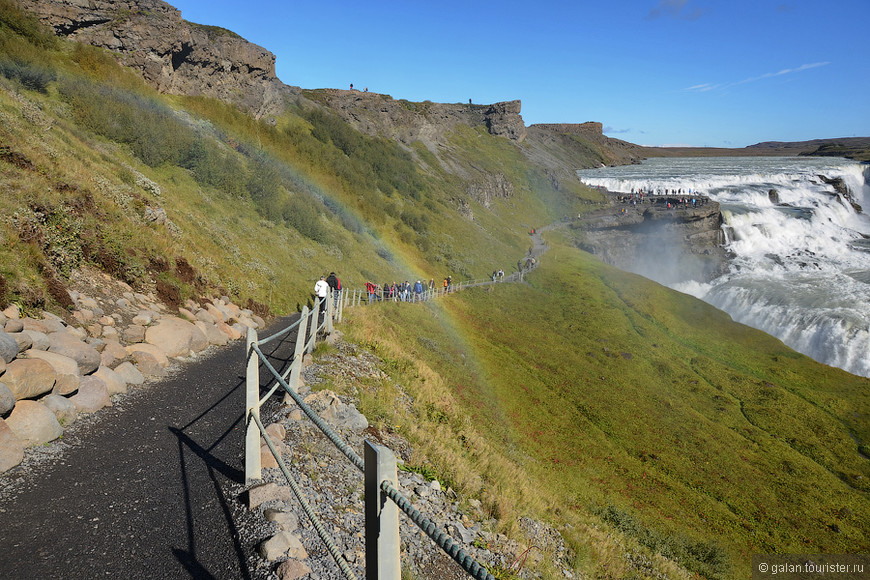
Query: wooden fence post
[253, 468]
[296, 368]
[382, 515]
[315, 312]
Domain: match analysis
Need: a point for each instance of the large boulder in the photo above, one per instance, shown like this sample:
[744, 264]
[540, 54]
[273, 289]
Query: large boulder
[114, 383]
[66, 384]
[29, 378]
[219, 312]
[8, 347]
[64, 409]
[87, 357]
[93, 395]
[206, 316]
[23, 339]
[13, 325]
[11, 448]
[155, 352]
[7, 399]
[31, 324]
[212, 333]
[62, 364]
[129, 373]
[134, 333]
[34, 423]
[39, 340]
[67, 370]
[176, 337]
[51, 323]
[113, 353]
[231, 332]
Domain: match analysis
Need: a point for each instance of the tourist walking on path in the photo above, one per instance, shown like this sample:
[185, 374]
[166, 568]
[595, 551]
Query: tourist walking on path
[335, 286]
[321, 289]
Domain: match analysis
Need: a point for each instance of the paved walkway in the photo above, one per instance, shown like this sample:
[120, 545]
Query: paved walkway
[150, 490]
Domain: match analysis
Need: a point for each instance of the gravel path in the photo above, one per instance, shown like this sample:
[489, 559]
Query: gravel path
[149, 488]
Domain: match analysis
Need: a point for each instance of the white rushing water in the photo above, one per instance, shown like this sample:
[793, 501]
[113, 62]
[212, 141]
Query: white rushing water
[801, 270]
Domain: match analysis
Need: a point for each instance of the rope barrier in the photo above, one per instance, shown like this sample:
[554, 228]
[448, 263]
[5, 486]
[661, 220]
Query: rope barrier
[279, 333]
[315, 418]
[441, 539]
[460, 556]
[274, 388]
[318, 526]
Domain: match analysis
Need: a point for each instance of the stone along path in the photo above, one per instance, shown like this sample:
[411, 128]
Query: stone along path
[149, 489]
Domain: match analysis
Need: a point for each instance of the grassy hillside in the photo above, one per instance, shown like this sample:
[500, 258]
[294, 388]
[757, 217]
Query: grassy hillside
[609, 404]
[638, 420]
[257, 210]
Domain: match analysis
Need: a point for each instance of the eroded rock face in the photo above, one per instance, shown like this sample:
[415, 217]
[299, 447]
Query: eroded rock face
[175, 56]
[379, 114]
[665, 243]
[504, 119]
[490, 187]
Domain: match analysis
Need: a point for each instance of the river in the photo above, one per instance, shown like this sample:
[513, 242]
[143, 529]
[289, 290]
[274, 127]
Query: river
[801, 265]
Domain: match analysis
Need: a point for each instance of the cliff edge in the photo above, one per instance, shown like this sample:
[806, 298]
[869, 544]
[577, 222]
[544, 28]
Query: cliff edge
[173, 55]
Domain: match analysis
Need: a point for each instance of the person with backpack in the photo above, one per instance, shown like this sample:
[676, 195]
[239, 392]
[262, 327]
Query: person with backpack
[335, 285]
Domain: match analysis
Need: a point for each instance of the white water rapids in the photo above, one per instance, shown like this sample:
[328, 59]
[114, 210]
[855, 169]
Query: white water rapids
[801, 270]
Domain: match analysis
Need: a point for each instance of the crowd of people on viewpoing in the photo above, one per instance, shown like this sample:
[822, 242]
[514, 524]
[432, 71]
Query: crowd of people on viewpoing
[400, 291]
[406, 291]
[674, 198]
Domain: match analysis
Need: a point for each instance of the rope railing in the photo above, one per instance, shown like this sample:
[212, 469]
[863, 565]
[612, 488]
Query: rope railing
[429, 527]
[379, 465]
[348, 452]
[315, 521]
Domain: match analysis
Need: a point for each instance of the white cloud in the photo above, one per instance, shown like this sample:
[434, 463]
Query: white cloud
[704, 87]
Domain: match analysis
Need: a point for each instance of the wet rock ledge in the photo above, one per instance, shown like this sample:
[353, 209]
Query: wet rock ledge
[665, 235]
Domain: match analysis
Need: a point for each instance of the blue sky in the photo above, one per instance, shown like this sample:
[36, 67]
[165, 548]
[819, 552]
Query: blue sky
[655, 72]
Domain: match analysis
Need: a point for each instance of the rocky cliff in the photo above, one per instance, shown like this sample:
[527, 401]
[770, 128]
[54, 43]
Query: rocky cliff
[173, 55]
[664, 238]
[179, 57]
[581, 143]
[407, 122]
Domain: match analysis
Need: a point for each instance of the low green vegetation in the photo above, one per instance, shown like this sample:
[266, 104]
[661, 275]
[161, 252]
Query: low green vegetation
[592, 397]
[102, 171]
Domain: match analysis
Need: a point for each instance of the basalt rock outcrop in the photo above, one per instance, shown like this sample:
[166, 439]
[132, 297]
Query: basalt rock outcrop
[180, 57]
[173, 55]
[379, 114]
[665, 238]
[841, 189]
[578, 143]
